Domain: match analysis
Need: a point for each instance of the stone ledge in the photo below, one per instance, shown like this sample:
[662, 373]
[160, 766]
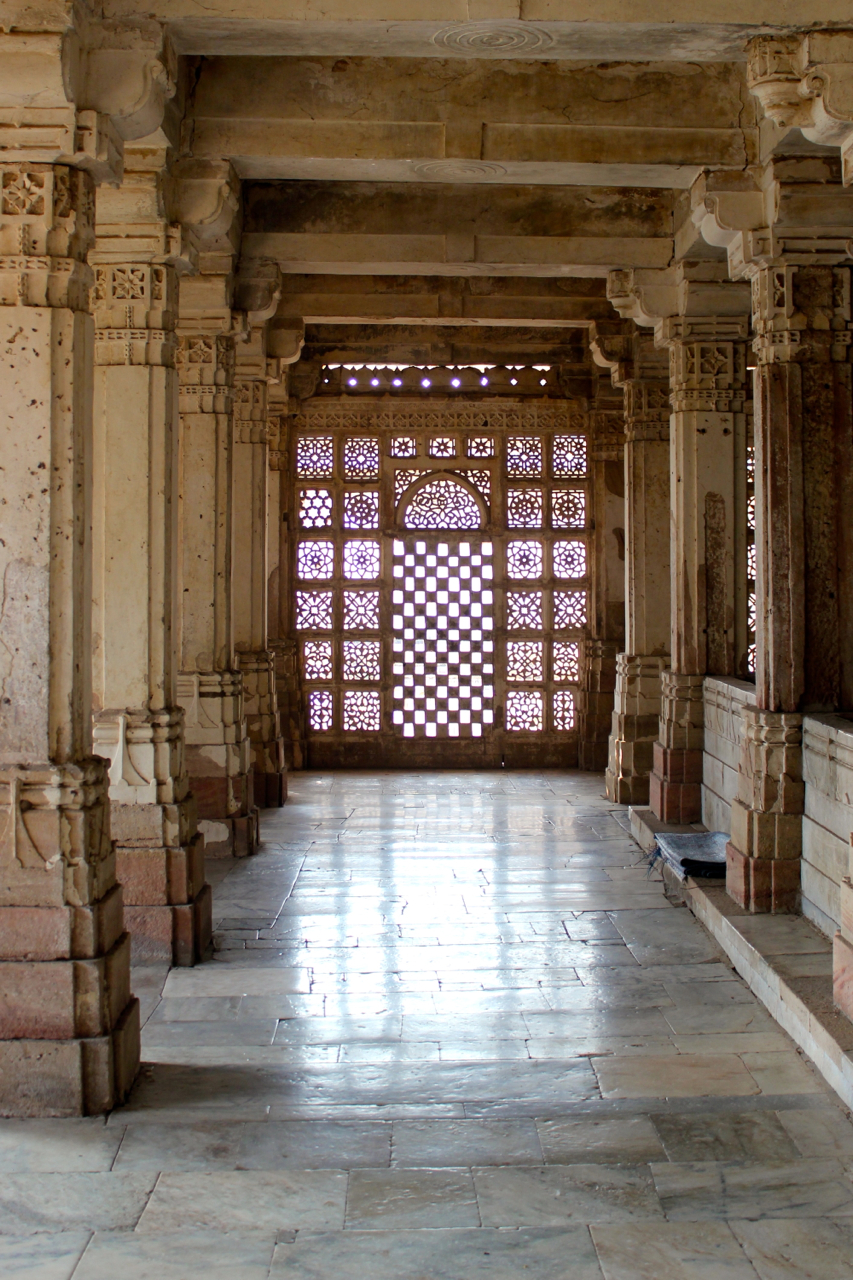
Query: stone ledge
[784, 960]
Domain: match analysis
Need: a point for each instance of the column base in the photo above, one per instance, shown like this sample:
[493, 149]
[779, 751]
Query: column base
[178, 934]
[635, 725]
[675, 785]
[762, 884]
[594, 703]
[842, 974]
[74, 1077]
[231, 837]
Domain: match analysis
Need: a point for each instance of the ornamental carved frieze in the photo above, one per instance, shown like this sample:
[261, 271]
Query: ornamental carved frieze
[205, 364]
[798, 310]
[567, 417]
[135, 306]
[55, 817]
[707, 363]
[47, 218]
[647, 409]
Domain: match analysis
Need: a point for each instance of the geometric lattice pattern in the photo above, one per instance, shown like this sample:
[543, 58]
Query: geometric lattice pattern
[569, 559]
[568, 457]
[314, 611]
[361, 458]
[565, 661]
[569, 609]
[317, 660]
[361, 611]
[361, 509]
[320, 710]
[442, 447]
[568, 509]
[361, 560]
[362, 711]
[524, 559]
[403, 447]
[315, 508]
[524, 508]
[564, 709]
[481, 447]
[523, 457]
[524, 711]
[361, 660]
[524, 610]
[315, 457]
[524, 660]
[315, 560]
[443, 639]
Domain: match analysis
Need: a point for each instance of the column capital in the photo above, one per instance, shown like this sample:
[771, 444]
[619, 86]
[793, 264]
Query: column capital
[47, 226]
[806, 82]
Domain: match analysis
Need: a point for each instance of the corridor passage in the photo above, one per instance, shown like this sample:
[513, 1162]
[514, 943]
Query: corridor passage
[452, 1029]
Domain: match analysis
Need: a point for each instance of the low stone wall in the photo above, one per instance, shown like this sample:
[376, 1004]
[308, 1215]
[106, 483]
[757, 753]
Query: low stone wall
[725, 699]
[828, 821]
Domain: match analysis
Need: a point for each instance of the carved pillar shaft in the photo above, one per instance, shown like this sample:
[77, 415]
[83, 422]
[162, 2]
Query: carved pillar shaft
[804, 553]
[708, 390]
[638, 671]
[138, 722]
[69, 1027]
[251, 585]
[210, 687]
[607, 586]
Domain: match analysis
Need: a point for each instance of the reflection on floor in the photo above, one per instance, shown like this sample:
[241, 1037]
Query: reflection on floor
[451, 1030]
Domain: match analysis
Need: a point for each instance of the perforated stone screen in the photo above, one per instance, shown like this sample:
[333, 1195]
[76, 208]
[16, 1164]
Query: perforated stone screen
[440, 576]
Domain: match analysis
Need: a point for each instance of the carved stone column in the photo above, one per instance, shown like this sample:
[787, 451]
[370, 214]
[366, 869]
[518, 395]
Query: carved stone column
[69, 1027]
[606, 611]
[640, 369]
[255, 658]
[285, 649]
[210, 687]
[708, 387]
[139, 725]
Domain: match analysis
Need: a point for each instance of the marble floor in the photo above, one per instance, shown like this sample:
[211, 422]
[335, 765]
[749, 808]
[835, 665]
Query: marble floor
[451, 1029]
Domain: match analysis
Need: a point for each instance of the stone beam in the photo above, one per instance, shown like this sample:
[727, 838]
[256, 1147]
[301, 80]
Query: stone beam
[500, 301]
[422, 344]
[380, 119]
[487, 29]
[432, 229]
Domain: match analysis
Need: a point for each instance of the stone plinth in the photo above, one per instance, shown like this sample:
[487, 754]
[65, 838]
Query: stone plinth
[595, 702]
[263, 723]
[218, 761]
[675, 788]
[763, 871]
[634, 729]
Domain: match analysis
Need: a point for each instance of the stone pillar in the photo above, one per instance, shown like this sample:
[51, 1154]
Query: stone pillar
[251, 585]
[708, 390]
[804, 601]
[640, 369]
[69, 1027]
[210, 686]
[285, 648]
[138, 722]
[606, 610]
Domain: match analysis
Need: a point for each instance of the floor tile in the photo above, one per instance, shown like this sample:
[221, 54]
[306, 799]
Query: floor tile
[57, 1146]
[401, 1198]
[670, 1251]
[44, 1257]
[547, 1197]
[180, 1255]
[448, 1254]
[826, 1133]
[44, 1202]
[437, 1143]
[681, 1076]
[179, 1148]
[798, 1249]
[314, 1144]
[246, 1201]
[616, 1140]
[807, 1188]
[748, 1136]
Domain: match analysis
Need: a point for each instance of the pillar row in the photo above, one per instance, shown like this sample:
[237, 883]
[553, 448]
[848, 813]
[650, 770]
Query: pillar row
[69, 1026]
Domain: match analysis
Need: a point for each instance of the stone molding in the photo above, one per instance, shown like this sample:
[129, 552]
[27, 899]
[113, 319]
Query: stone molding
[205, 364]
[806, 82]
[569, 417]
[145, 750]
[47, 218]
[135, 305]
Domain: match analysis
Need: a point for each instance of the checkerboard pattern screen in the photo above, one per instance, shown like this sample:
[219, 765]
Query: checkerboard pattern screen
[443, 642]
